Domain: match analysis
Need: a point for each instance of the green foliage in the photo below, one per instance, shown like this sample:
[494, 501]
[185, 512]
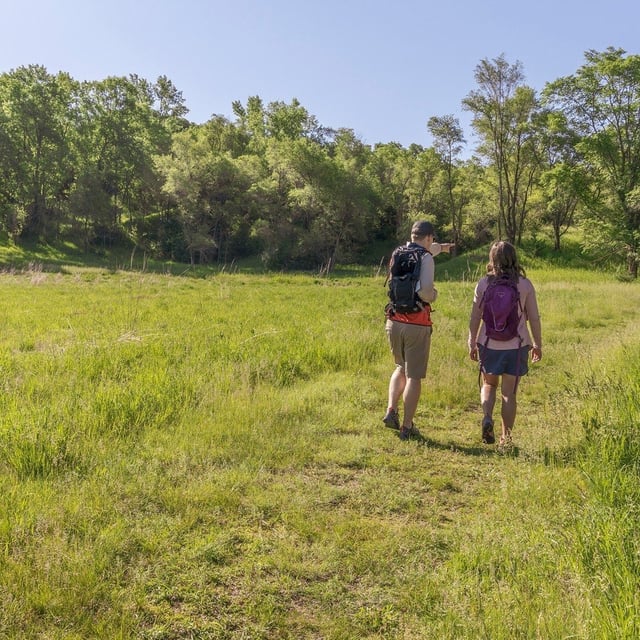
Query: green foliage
[601, 102]
[503, 111]
[113, 164]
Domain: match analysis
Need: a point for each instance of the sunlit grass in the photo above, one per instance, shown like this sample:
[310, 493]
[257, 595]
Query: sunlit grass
[204, 457]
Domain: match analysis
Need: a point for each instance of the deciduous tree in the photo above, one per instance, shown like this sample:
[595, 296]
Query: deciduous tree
[601, 101]
[562, 180]
[36, 133]
[502, 108]
[448, 141]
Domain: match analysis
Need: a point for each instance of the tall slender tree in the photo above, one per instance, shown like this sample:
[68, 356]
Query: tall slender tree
[502, 108]
[448, 141]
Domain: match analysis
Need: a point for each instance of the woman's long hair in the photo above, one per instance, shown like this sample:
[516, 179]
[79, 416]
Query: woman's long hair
[503, 261]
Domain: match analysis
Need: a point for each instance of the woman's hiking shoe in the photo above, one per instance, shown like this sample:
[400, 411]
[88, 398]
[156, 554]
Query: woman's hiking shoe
[391, 419]
[406, 432]
[488, 437]
[506, 444]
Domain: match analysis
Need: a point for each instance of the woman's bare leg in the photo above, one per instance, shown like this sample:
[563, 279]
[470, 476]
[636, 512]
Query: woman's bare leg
[488, 395]
[509, 404]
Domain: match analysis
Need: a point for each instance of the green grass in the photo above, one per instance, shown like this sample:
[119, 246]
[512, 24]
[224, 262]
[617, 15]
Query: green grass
[202, 456]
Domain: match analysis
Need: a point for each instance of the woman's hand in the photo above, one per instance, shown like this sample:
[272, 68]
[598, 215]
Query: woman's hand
[536, 354]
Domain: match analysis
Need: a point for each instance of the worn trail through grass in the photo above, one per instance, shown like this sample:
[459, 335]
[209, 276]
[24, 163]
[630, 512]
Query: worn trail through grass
[205, 457]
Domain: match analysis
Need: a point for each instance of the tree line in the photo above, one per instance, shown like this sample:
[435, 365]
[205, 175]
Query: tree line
[117, 162]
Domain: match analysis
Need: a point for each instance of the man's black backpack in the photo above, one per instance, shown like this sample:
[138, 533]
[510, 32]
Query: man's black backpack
[403, 277]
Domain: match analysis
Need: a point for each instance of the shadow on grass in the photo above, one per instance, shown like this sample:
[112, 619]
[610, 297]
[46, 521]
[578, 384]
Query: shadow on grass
[422, 440]
[564, 457]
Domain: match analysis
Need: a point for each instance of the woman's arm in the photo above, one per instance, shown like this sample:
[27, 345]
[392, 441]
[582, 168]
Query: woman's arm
[474, 325]
[533, 317]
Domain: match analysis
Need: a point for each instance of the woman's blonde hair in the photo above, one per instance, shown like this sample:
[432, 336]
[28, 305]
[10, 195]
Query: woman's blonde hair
[503, 261]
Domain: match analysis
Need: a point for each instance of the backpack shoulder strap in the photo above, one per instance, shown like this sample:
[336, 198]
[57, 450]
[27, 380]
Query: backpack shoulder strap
[394, 253]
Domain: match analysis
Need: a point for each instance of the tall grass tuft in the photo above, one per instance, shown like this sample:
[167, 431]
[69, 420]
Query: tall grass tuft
[608, 535]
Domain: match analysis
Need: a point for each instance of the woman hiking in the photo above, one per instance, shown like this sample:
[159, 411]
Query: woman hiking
[504, 309]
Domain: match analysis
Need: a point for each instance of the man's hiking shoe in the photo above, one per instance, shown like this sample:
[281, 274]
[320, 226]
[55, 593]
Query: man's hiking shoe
[391, 419]
[406, 432]
[488, 437]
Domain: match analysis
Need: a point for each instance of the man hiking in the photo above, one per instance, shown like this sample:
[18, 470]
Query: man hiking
[408, 322]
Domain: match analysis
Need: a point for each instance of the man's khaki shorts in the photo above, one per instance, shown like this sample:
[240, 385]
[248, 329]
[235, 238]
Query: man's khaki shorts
[410, 344]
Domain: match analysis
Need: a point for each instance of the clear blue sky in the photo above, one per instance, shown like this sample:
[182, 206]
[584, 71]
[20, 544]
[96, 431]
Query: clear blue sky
[381, 68]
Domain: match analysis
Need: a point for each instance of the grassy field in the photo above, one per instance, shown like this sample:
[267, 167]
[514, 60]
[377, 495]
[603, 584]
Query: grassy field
[202, 456]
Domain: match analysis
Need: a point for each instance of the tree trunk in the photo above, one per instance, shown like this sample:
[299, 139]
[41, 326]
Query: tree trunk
[632, 264]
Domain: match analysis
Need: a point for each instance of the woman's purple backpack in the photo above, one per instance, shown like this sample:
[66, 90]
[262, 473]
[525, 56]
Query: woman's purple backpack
[501, 312]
